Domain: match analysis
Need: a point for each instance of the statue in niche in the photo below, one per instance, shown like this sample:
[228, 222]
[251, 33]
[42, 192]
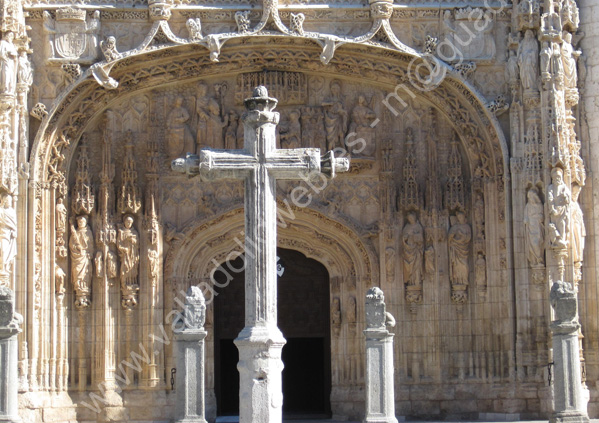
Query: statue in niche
[351, 312]
[61, 216]
[458, 241]
[559, 198]
[336, 312]
[546, 53]
[98, 261]
[81, 246]
[8, 64]
[335, 118]
[413, 251]
[178, 135]
[569, 56]
[59, 276]
[362, 143]
[231, 131]
[8, 233]
[578, 229]
[153, 262]
[111, 265]
[128, 246]
[512, 70]
[557, 64]
[534, 225]
[208, 114]
[528, 60]
[291, 134]
[24, 71]
[430, 260]
[480, 271]
[215, 126]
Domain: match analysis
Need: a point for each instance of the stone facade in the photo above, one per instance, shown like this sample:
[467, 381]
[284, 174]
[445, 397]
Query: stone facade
[472, 133]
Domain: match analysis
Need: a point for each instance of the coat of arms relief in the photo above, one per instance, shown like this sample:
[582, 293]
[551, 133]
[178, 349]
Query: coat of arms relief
[72, 35]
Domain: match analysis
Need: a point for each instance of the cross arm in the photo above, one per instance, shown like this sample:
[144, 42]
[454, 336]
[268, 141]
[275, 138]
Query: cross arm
[293, 163]
[215, 164]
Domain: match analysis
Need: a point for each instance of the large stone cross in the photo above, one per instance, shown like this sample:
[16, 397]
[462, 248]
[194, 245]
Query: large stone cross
[260, 164]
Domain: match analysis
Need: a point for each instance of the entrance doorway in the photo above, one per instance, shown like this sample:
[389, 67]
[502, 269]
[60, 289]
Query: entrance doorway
[303, 317]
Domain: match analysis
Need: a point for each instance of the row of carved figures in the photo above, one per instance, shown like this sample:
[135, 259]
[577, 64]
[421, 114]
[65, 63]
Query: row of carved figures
[85, 257]
[553, 59]
[566, 225]
[328, 125]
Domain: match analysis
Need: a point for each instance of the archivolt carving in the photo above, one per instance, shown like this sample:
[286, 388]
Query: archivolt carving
[473, 123]
[337, 246]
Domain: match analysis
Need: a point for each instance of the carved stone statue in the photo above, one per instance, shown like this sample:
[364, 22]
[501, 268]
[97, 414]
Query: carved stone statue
[336, 315]
[335, 118]
[153, 265]
[480, 271]
[458, 240]
[59, 276]
[24, 71]
[351, 312]
[361, 118]
[291, 135]
[231, 131]
[569, 56]
[528, 59]
[534, 225]
[61, 216]
[558, 196]
[178, 134]
[8, 64]
[578, 228]
[546, 53]
[413, 251]
[208, 114]
[8, 234]
[128, 247]
[81, 246]
[511, 70]
[215, 126]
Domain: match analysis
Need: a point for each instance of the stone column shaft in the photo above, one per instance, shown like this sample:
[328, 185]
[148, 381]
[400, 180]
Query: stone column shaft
[10, 322]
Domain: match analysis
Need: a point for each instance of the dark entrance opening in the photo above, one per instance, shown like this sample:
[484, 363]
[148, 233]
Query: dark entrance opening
[303, 317]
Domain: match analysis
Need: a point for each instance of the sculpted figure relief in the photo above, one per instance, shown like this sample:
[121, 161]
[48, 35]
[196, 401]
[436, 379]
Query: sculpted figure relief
[24, 72]
[413, 251]
[8, 233]
[291, 134]
[81, 246]
[458, 240]
[178, 134]
[569, 56]
[8, 64]
[546, 53]
[231, 131]
[361, 118]
[558, 196]
[528, 59]
[578, 229]
[210, 125]
[534, 219]
[128, 247]
[335, 118]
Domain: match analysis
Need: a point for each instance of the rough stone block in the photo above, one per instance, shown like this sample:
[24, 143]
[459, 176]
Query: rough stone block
[59, 414]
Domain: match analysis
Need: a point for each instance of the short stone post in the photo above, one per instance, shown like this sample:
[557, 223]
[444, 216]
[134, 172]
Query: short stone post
[189, 336]
[380, 397]
[569, 403]
[10, 322]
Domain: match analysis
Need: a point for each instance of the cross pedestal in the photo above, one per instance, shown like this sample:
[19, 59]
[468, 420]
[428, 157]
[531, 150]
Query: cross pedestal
[10, 327]
[260, 164]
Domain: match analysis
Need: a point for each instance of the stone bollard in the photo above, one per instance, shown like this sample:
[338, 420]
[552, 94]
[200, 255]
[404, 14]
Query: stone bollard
[189, 337]
[569, 402]
[380, 397]
[10, 322]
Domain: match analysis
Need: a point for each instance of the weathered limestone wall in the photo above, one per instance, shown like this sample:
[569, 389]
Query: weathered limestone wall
[589, 132]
